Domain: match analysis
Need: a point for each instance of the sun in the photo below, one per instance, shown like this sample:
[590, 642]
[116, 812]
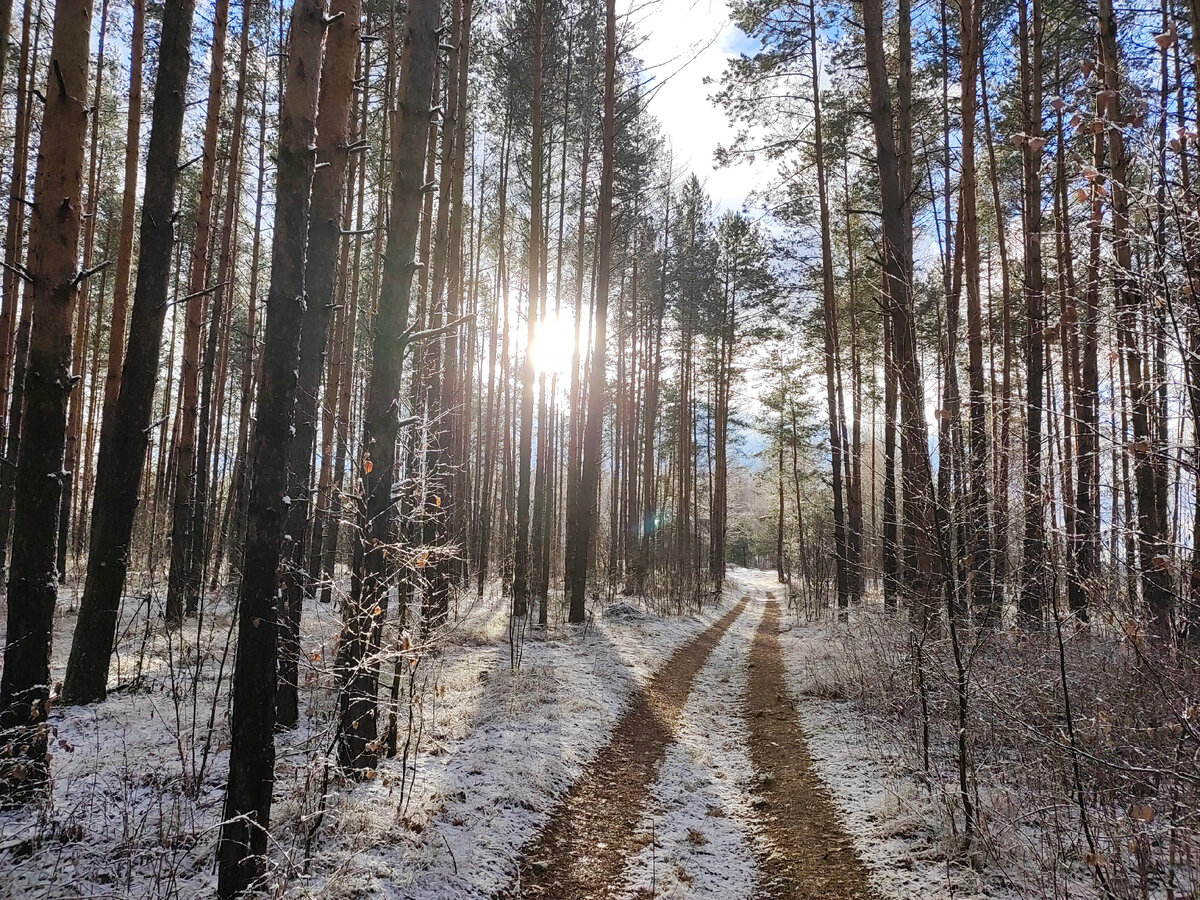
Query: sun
[553, 345]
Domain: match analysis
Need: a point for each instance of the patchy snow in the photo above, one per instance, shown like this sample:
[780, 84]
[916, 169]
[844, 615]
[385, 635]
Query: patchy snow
[504, 746]
[699, 832]
[896, 825]
[138, 780]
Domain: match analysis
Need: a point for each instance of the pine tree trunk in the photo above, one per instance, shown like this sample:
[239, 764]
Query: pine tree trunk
[1033, 575]
[366, 607]
[182, 584]
[240, 489]
[1003, 442]
[522, 550]
[832, 352]
[16, 344]
[14, 232]
[1153, 556]
[320, 275]
[920, 538]
[979, 550]
[582, 513]
[243, 843]
[1086, 550]
[120, 308]
[209, 418]
[83, 318]
[123, 442]
[54, 279]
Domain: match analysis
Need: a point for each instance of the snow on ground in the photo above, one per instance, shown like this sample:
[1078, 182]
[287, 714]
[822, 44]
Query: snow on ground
[504, 746]
[138, 780]
[137, 783]
[896, 827]
[699, 831]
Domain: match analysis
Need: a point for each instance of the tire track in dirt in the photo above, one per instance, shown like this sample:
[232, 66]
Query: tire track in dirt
[580, 851]
[807, 855]
[694, 828]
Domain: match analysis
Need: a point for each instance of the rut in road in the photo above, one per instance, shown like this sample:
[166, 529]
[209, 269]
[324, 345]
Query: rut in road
[580, 851]
[807, 855]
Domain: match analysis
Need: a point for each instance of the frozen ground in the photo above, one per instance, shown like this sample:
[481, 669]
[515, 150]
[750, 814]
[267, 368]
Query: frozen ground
[700, 831]
[507, 745]
[138, 779]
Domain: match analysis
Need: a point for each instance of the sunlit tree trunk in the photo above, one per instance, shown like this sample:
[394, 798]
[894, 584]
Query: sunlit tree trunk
[54, 278]
[366, 607]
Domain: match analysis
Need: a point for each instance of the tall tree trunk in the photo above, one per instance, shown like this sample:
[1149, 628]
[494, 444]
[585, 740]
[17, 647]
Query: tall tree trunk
[54, 279]
[979, 549]
[446, 496]
[581, 517]
[1086, 551]
[1033, 574]
[891, 544]
[320, 275]
[240, 489]
[522, 551]
[182, 585]
[83, 319]
[920, 537]
[364, 613]
[124, 439]
[1153, 557]
[14, 337]
[348, 365]
[243, 842]
[222, 295]
[650, 516]
[1191, 623]
[780, 562]
[120, 308]
[829, 307]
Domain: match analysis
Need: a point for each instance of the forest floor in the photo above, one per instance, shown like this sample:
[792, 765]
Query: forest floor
[631, 758]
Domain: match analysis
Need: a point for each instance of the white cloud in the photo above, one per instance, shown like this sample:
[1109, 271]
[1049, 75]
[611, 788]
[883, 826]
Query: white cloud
[685, 42]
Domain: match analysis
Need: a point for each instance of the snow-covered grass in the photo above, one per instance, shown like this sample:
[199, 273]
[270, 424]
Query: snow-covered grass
[859, 699]
[900, 830]
[700, 829]
[138, 780]
[503, 746]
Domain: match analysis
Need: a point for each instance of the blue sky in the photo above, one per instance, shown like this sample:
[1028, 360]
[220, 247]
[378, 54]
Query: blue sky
[687, 41]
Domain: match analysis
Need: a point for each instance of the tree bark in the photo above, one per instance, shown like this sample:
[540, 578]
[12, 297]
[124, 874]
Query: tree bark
[358, 672]
[829, 308]
[320, 275]
[124, 439]
[54, 279]
[120, 308]
[1033, 574]
[983, 589]
[15, 336]
[182, 584]
[919, 520]
[243, 841]
[522, 552]
[1153, 557]
[582, 513]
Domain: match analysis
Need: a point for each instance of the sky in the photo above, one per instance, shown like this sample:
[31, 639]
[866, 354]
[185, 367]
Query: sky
[686, 41]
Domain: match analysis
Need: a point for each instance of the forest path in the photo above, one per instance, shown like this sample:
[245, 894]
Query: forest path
[806, 855]
[580, 852]
[792, 847]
